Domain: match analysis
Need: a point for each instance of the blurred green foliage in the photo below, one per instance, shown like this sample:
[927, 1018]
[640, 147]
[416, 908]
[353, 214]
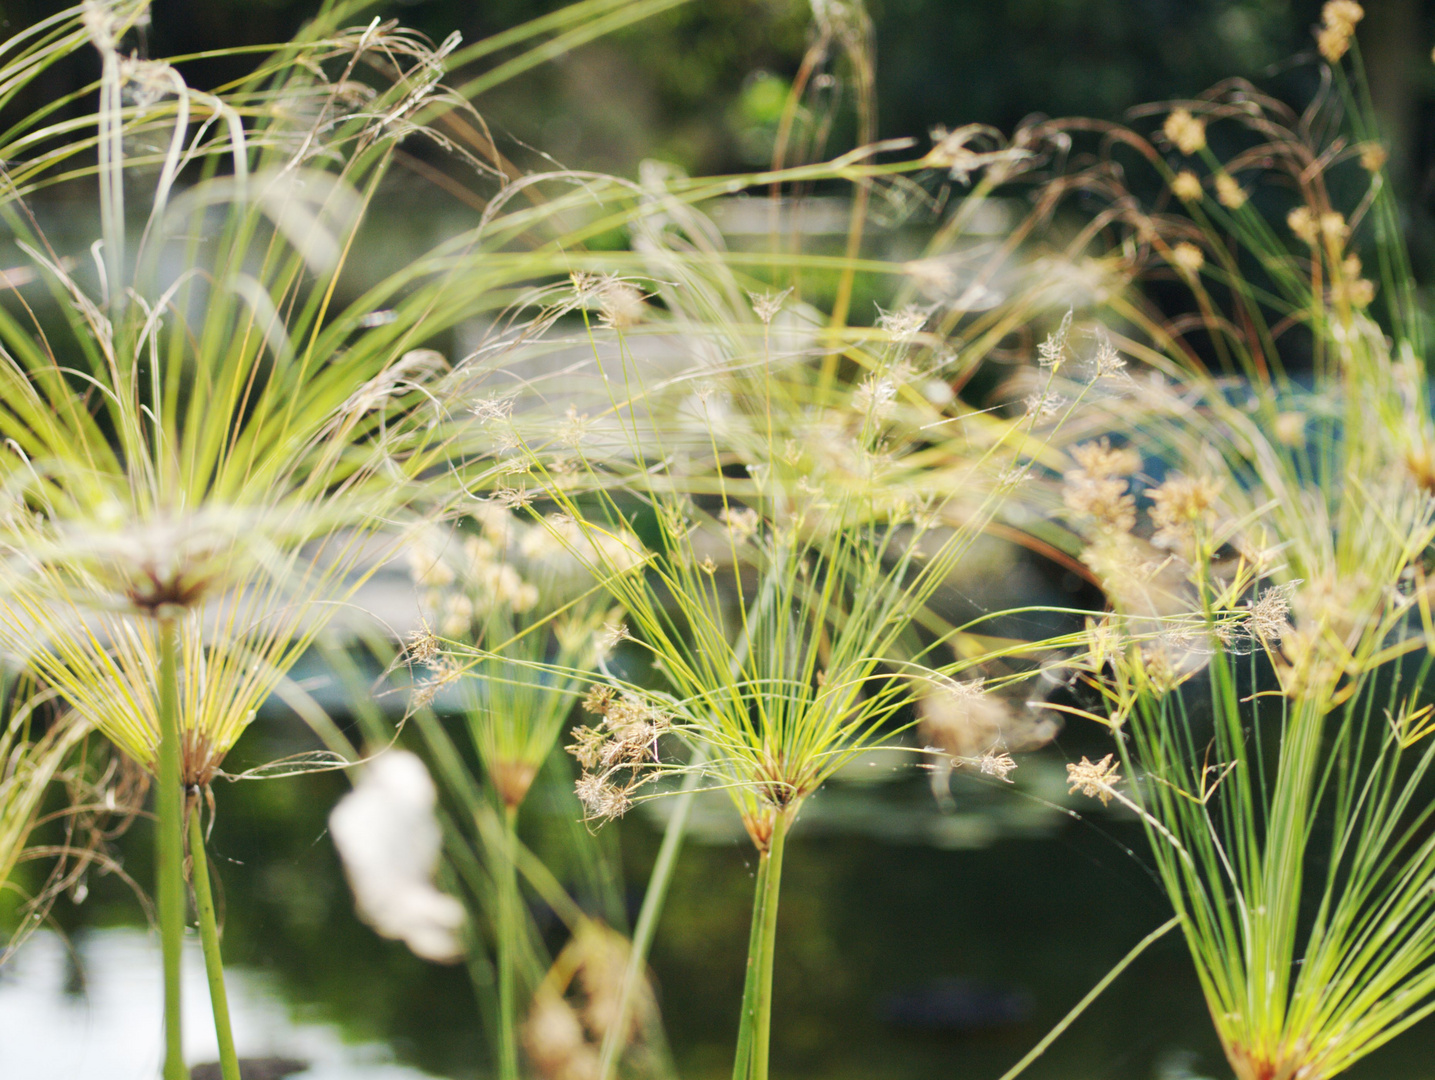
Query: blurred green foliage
[700, 85]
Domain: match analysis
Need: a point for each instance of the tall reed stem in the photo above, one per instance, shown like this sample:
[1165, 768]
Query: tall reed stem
[742, 1059]
[506, 948]
[653, 900]
[209, 935]
[169, 846]
[754, 1035]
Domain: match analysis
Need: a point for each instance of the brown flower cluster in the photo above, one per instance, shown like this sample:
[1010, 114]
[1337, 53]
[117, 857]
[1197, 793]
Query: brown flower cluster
[444, 673]
[1268, 613]
[620, 304]
[613, 753]
[1098, 490]
[567, 1025]
[1181, 507]
[1094, 779]
[1337, 27]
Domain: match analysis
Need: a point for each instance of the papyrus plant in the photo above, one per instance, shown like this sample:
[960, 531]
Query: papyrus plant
[512, 628]
[1265, 672]
[796, 535]
[32, 754]
[202, 451]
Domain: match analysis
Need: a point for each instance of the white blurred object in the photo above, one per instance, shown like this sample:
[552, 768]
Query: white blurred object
[387, 836]
[107, 1025]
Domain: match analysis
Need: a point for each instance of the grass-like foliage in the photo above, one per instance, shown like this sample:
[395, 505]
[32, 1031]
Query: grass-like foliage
[32, 755]
[214, 425]
[1266, 670]
[796, 526]
[512, 627]
[721, 517]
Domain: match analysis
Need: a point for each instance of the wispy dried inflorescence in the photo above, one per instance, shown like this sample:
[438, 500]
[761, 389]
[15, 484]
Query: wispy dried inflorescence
[1044, 406]
[423, 647]
[613, 634]
[616, 754]
[766, 305]
[1186, 132]
[443, 673]
[876, 395]
[1098, 490]
[1052, 352]
[601, 798]
[1094, 779]
[492, 408]
[904, 325]
[1181, 507]
[1338, 19]
[623, 305]
[620, 303]
[996, 764]
[1107, 363]
[1268, 613]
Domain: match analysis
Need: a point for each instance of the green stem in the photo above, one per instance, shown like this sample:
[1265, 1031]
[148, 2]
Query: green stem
[169, 846]
[742, 1058]
[209, 935]
[653, 900]
[768, 949]
[755, 1031]
[1091, 995]
[506, 948]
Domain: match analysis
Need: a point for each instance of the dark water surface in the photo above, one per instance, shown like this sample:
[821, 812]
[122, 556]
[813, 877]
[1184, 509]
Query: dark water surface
[915, 943]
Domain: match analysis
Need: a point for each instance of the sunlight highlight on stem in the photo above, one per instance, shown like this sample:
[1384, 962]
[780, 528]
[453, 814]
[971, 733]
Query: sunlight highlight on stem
[209, 937]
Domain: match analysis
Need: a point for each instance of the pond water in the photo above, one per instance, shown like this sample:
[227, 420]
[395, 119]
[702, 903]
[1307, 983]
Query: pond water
[916, 942]
[88, 1007]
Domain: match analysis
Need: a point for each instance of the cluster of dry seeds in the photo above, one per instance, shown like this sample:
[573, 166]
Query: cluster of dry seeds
[616, 753]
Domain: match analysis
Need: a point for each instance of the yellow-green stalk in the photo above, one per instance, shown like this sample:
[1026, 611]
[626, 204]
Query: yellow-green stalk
[1285, 603]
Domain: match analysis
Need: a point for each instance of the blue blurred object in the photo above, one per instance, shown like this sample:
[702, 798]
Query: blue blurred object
[952, 1003]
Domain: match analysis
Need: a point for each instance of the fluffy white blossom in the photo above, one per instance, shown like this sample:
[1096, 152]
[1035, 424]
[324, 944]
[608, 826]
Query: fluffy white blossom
[389, 841]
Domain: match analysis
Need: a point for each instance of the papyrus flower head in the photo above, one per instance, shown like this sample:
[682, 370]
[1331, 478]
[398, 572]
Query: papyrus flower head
[1338, 19]
[1094, 779]
[1186, 132]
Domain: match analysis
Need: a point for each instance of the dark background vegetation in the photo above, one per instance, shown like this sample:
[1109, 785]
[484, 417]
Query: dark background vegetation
[703, 85]
[699, 85]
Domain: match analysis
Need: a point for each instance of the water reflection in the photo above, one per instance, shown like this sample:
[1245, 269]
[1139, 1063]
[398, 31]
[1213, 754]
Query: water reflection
[91, 1008]
[916, 944]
